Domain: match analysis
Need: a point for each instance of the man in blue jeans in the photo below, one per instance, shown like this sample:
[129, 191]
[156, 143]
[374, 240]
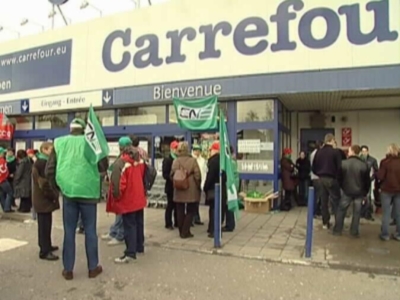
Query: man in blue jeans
[355, 182]
[116, 234]
[71, 169]
[6, 196]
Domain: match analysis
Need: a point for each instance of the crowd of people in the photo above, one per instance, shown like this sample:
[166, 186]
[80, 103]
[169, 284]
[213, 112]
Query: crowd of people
[342, 180]
[200, 176]
[62, 169]
[16, 179]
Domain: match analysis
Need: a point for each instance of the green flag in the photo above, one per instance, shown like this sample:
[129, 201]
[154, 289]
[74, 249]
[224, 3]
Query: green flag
[97, 147]
[198, 114]
[227, 165]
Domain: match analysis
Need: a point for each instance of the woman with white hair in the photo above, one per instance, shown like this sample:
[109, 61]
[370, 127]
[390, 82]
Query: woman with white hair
[389, 177]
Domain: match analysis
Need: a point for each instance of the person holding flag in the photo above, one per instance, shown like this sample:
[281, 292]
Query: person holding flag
[74, 167]
[228, 167]
[213, 177]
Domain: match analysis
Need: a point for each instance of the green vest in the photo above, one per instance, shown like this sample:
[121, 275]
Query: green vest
[75, 176]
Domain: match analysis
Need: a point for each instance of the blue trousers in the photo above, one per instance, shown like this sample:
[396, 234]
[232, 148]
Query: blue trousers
[7, 196]
[117, 229]
[72, 208]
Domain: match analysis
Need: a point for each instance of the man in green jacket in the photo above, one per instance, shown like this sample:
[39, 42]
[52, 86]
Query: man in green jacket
[78, 180]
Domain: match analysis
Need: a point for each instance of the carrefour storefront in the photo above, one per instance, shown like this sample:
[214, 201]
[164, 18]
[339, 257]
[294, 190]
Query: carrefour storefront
[251, 54]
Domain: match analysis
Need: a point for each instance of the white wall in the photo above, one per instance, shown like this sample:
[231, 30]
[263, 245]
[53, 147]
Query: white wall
[375, 128]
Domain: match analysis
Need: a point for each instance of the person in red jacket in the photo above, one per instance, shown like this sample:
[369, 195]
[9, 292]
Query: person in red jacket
[7, 195]
[127, 197]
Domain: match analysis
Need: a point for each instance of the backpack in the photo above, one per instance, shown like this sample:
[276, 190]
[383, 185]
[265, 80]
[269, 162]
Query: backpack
[150, 175]
[181, 179]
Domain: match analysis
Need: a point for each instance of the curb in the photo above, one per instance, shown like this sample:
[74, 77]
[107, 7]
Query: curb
[334, 265]
[15, 217]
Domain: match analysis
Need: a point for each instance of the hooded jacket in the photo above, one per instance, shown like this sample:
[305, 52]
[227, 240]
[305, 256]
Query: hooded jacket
[127, 193]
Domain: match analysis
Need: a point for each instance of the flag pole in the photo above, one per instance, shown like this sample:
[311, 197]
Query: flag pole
[218, 201]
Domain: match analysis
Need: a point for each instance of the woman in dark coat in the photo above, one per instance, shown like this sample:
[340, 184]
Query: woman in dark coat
[212, 178]
[23, 182]
[45, 201]
[304, 169]
[288, 179]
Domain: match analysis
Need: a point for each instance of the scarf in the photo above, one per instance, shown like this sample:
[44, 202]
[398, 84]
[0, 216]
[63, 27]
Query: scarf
[10, 158]
[173, 155]
[42, 156]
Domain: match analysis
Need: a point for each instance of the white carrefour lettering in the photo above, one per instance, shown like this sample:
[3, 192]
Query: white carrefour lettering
[195, 91]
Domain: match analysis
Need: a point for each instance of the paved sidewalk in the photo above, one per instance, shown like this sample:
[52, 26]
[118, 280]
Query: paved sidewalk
[276, 237]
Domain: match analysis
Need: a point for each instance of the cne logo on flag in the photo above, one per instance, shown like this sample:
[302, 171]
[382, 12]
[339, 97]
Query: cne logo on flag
[91, 138]
[200, 114]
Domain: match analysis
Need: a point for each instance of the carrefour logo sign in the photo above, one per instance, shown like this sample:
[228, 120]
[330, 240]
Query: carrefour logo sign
[250, 36]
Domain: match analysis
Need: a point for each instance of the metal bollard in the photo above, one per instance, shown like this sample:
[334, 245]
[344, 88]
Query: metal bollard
[310, 222]
[217, 216]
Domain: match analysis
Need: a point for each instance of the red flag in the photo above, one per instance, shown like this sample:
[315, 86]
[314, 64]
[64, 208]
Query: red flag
[6, 128]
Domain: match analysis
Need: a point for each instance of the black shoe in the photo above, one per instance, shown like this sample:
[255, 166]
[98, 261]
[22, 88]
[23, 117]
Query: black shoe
[50, 256]
[9, 211]
[187, 236]
[169, 227]
[198, 223]
[54, 248]
[393, 223]
[211, 235]
[224, 229]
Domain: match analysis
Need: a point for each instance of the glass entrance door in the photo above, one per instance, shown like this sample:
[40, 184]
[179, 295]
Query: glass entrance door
[161, 150]
[145, 142]
[24, 144]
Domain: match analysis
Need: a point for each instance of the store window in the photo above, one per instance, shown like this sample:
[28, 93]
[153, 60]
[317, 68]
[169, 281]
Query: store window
[172, 114]
[105, 117]
[22, 122]
[142, 115]
[55, 121]
[255, 111]
[262, 186]
[255, 149]
[280, 112]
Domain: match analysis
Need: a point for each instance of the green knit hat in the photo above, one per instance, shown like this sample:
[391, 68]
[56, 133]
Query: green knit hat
[125, 141]
[196, 147]
[77, 123]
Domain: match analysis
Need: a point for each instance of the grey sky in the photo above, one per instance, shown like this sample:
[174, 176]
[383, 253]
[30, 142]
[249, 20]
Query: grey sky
[37, 12]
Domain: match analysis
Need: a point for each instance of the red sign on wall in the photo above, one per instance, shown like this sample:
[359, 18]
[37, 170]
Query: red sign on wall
[6, 128]
[346, 137]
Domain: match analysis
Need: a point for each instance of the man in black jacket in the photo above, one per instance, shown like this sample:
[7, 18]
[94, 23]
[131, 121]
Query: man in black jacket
[355, 181]
[326, 165]
[169, 187]
[367, 209]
